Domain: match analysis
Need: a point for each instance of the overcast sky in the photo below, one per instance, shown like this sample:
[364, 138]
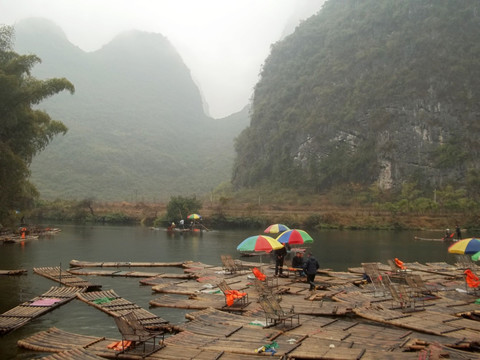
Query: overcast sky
[223, 42]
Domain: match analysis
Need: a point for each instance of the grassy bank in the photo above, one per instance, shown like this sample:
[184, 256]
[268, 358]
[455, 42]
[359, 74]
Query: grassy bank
[254, 215]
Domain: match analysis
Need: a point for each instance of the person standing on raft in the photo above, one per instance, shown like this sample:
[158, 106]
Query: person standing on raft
[310, 267]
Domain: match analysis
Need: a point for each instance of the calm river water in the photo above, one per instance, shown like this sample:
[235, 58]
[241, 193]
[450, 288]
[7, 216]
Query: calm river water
[337, 250]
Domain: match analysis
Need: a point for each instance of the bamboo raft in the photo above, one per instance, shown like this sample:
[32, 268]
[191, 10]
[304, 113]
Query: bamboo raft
[29, 310]
[58, 341]
[122, 273]
[12, 239]
[112, 273]
[77, 354]
[79, 263]
[64, 278]
[213, 334]
[344, 318]
[114, 305]
[14, 272]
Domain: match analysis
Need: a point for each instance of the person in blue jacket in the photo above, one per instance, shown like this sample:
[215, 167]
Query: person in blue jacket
[310, 267]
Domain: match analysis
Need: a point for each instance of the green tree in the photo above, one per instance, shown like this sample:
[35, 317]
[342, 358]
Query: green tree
[24, 131]
[180, 207]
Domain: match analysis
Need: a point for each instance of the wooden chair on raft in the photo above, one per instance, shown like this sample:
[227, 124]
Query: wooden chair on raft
[404, 299]
[398, 267]
[264, 289]
[419, 287]
[234, 299]
[135, 334]
[268, 280]
[230, 265]
[275, 315]
[375, 278]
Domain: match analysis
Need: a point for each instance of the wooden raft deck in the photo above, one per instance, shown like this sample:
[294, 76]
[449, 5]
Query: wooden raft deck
[124, 273]
[57, 341]
[112, 273]
[77, 354]
[63, 277]
[212, 334]
[114, 305]
[79, 263]
[14, 272]
[335, 320]
[29, 310]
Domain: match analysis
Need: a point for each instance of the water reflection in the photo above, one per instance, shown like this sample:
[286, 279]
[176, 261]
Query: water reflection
[337, 250]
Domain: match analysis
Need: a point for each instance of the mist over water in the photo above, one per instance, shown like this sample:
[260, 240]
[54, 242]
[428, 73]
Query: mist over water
[337, 250]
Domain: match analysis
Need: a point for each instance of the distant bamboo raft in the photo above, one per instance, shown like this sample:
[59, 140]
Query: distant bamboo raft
[123, 273]
[59, 341]
[25, 312]
[116, 273]
[114, 305]
[14, 272]
[64, 278]
[78, 263]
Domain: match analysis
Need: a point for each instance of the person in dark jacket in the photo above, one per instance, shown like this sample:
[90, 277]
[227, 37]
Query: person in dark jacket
[458, 232]
[310, 267]
[297, 263]
[279, 258]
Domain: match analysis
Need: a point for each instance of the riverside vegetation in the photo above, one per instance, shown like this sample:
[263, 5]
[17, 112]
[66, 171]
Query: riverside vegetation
[346, 207]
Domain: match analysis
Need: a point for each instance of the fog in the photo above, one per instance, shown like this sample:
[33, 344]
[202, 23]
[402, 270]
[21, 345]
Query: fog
[224, 43]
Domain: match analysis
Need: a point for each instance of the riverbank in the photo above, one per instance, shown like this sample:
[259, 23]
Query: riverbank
[320, 215]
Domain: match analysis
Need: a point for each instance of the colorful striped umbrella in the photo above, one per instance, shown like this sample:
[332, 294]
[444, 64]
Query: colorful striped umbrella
[295, 236]
[276, 228]
[259, 243]
[468, 246]
[194, 217]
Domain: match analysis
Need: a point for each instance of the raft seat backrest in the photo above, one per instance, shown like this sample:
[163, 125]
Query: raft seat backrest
[274, 314]
[239, 299]
[416, 282]
[401, 295]
[132, 330]
[229, 265]
[264, 288]
[376, 278]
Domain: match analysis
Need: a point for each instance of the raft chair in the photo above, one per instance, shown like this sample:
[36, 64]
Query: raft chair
[377, 279]
[398, 267]
[419, 287]
[234, 299]
[264, 289]
[402, 297]
[268, 280]
[472, 282]
[135, 334]
[230, 265]
[275, 315]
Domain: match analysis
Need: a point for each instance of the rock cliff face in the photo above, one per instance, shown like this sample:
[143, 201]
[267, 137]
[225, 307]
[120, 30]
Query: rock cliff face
[368, 93]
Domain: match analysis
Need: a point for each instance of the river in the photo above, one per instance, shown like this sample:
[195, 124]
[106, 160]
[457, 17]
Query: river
[336, 250]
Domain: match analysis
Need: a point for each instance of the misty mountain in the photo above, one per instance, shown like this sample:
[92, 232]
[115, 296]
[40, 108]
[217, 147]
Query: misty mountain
[137, 129]
[369, 92]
